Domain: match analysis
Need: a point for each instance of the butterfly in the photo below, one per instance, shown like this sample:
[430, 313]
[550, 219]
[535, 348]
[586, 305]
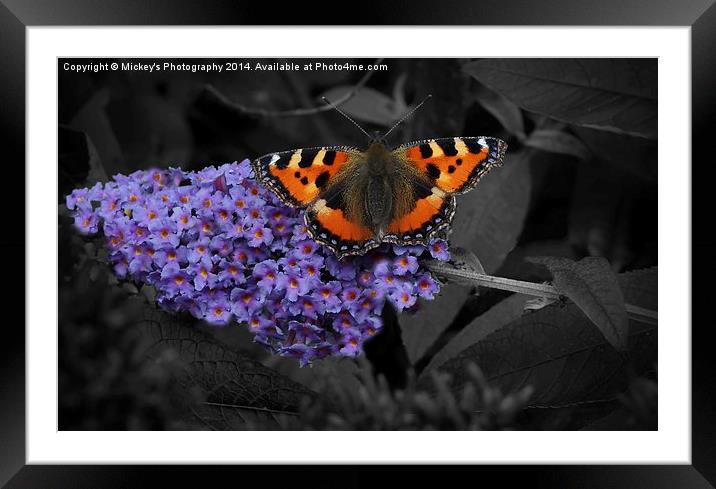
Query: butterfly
[355, 199]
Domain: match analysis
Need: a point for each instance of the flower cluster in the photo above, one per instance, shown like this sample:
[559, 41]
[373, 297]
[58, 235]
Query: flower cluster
[218, 245]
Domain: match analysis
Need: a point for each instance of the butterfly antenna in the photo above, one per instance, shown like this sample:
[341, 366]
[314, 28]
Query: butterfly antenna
[346, 116]
[407, 115]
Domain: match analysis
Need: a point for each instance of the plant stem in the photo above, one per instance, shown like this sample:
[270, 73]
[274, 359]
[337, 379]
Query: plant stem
[528, 288]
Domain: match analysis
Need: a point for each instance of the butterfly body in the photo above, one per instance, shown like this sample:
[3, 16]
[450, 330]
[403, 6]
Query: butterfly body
[356, 199]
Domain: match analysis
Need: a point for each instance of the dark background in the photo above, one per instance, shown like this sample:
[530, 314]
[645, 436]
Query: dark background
[580, 180]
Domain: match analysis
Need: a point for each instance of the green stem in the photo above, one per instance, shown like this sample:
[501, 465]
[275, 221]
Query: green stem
[528, 288]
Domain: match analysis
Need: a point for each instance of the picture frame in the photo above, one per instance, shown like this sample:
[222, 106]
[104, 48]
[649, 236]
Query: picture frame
[15, 16]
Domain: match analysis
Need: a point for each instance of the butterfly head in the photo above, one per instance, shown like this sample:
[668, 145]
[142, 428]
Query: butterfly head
[378, 138]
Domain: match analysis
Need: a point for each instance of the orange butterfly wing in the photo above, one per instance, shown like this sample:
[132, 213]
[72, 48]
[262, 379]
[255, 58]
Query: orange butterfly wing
[304, 178]
[454, 165]
[451, 166]
[432, 213]
[298, 177]
[448, 166]
[328, 225]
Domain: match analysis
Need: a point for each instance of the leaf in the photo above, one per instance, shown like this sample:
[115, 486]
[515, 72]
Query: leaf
[466, 259]
[506, 112]
[230, 417]
[488, 221]
[497, 316]
[92, 119]
[450, 88]
[560, 353]
[592, 285]
[79, 162]
[617, 95]
[593, 211]
[222, 377]
[152, 130]
[640, 287]
[554, 141]
[368, 105]
[636, 155]
[538, 303]
[490, 218]
[421, 329]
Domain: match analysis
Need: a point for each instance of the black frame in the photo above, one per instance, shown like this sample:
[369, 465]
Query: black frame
[15, 15]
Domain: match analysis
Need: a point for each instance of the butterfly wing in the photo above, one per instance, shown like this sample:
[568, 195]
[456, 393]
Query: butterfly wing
[298, 177]
[443, 167]
[454, 165]
[328, 221]
[318, 179]
[433, 212]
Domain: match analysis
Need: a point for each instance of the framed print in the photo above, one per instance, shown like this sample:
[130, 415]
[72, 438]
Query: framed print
[425, 252]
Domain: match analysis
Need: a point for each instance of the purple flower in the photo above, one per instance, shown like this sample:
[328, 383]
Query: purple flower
[267, 274]
[78, 199]
[328, 293]
[259, 235]
[303, 331]
[120, 265]
[300, 232]
[141, 262]
[230, 273]
[218, 312]
[405, 264]
[245, 302]
[108, 207]
[223, 211]
[366, 278]
[384, 277]
[350, 295]
[225, 249]
[306, 306]
[303, 353]
[341, 269]
[311, 268]
[169, 255]
[183, 218]
[203, 201]
[402, 297]
[175, 280]
[147, 215]
[343, 322]
[427, 286]
[86, 221]
[372, 326]
[238, 196]
[163, 233]
[198, 249]
[258, 323]
[351, 341]
[366, 306]
[133, 196]
[293, 285]
[206, 227]
[306, 249]
[254, 217]
[203, 275]
[221, 246]
[438, 249]
[415, 250]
